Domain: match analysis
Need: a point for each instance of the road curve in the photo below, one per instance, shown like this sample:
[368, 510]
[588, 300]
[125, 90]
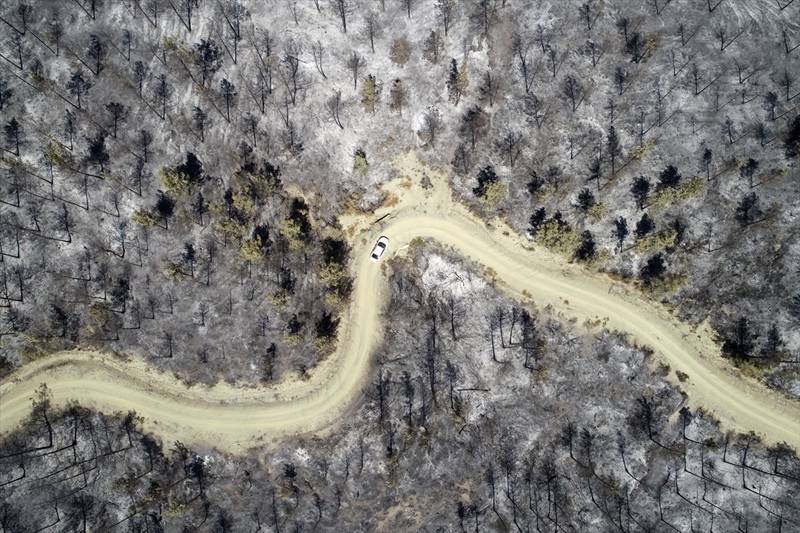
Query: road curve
[234, 419]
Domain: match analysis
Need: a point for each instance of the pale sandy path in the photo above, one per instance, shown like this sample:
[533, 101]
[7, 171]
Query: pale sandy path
[235, 418]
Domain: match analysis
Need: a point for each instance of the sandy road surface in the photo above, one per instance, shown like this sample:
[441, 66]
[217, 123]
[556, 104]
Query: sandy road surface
[236, 418]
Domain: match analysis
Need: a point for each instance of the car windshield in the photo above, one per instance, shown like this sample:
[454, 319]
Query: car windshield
[381, 245]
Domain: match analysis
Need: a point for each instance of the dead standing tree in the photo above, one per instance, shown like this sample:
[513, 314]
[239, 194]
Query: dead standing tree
[574, 91]
[527, 71]
[355, 62]
[318, 51]
[431, 126]
[334, 107]
[233, 12]
[342, 9]
[372, 29]
[291, 74]
[184, 7]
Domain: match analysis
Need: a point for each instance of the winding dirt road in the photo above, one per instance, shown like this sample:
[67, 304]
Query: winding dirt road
[235, 418]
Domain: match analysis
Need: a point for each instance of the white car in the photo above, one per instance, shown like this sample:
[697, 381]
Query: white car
[380, 247]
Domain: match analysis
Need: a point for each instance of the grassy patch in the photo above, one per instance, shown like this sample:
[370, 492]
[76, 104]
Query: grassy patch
[494, 194]
[640, 152]
[667, 285]
[674, 195]
[655, 241]
[558, 238]
[597, 212]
